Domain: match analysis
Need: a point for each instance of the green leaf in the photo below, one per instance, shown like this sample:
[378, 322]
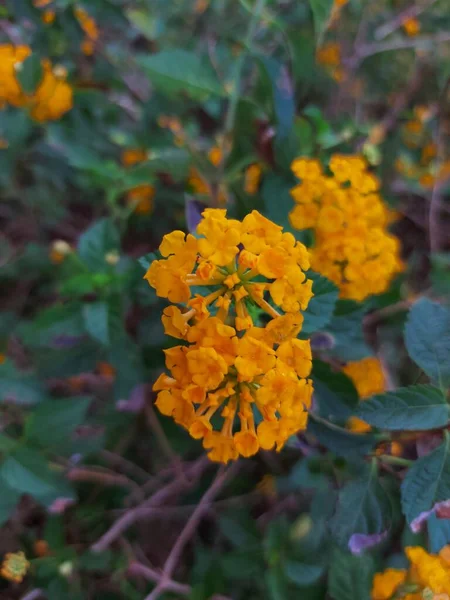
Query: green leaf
[29, 73]
[363, 508]
[277, 200]
[283, 94]
[438, 533]
[102, 237]
[321, 306]
[321, 10]
[427, 482]
[427, 337]
[338, 440]
[9, 499]
[337, 396]
[302, 574]
[418, 407]
[346, 328]
[18, 387]
[144, 22]
[146, 260]
[54, 421]
[96, 321]
[276, 582]
[174, 71]
[27, 472]
[350, 576]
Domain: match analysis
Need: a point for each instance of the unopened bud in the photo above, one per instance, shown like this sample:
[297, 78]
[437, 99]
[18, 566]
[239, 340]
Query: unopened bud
[66, 569]
[61, 247]
[112, 258]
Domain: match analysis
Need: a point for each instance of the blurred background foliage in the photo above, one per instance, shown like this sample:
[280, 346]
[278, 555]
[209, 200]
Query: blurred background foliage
[177, 105]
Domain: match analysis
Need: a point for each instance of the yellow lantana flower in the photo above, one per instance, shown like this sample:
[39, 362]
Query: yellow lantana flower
[14, 567]
[233, 372]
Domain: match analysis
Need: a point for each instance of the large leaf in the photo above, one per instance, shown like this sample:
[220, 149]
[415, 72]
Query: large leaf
[338, 440]
[427, 337]
[176, 70]
[29, 73]
[17, 387]
[438, 533]
[335, 392]
[363, 508]
[418, 407]
[427, 482]
[321, 306]
[321, 10]
[277, 199]
[96, 321]
[302, 574]
[350, 577]
[27, 472]
[346, 329]
[102, 237]
[9, 499]
[283, 94]
[54, 421]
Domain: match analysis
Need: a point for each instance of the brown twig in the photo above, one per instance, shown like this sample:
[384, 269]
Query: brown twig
[125, 465]
[188, 531]
[409, 13]
[131, 516]
[137, 568]
[369, 49]
[375, 317]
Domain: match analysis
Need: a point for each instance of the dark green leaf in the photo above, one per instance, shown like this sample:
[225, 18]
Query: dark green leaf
[277, 199]
[338, 440]
[321, 10]
[363, 508]
[102, 237]
[350, 576]
[54, 421]
[176, 70]
[96, 320]
[9, 499]
[321, 306]
[335, 392]
[302, 574]
[418, 407]
[346, 327]
[18, 387]
[29, 73]
[27, 472]
[427, 337]
[427, 482]
[283, 94]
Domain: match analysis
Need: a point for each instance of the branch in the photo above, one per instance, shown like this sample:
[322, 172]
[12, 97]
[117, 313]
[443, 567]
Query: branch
[187, 532]
[412, 11]
[131, 516]
[137, 568]
[33, 595]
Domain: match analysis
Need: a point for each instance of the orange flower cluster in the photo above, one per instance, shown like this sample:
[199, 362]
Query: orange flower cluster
[48, 14]
[352, 245]
[53, 96]
[14, 567]
[237, 386]
[140, 197]
[428, 575]
[368, 377]
[89, 26]
[329, 55]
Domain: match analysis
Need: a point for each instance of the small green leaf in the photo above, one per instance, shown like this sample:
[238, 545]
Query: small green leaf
[321, 10]
[338, 440]
[29, 73]
[18, 387]
[54, 421]
[146, 260]
[144, 22]
[174, 71]
[336, 395]
[102, 237]
[427, 337]
[363, 508]
[427, 482]
[27, 472]
[350, 576]
[96, 321]
[9, 499]
[302, 574]
[418, 407]
[346, 327]
[283, 94]
[321, 306]
[438, 533]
